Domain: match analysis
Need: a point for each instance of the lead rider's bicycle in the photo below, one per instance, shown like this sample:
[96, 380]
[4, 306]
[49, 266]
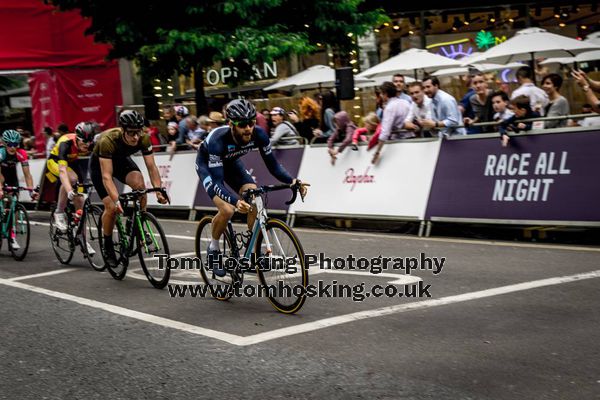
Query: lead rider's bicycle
[271, 241]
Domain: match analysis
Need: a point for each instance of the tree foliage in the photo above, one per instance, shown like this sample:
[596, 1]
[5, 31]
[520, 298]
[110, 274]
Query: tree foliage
[181, 35]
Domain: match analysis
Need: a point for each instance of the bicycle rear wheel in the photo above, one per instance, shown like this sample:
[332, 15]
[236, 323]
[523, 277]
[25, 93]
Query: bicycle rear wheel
[91, 234]
[62, 242]
[221, 288]
[152, 240]
[21, 233]
[284, 245]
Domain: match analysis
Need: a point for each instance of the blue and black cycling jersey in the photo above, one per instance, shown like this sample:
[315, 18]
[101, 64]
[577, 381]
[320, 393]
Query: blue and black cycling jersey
[218, 162]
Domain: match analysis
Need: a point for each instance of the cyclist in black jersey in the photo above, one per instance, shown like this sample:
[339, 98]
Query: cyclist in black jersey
[218, 162]
[110, 159]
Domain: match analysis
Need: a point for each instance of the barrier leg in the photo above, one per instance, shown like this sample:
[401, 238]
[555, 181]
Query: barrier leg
[192, 216]
[290, 220]
[421, 228]
[428, 230]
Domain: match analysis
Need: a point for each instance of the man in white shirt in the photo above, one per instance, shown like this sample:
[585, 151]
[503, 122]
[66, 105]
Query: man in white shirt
[537, 97]
[420, 109]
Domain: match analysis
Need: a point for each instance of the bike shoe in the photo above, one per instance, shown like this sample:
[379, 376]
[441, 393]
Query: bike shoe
[108, 252]
[214, 262]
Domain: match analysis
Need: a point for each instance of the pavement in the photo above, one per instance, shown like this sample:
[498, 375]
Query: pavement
[505, 320]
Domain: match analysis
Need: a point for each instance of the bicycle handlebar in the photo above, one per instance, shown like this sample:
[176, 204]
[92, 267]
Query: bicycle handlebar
[247, 194]
[136, 194]
[19, 188]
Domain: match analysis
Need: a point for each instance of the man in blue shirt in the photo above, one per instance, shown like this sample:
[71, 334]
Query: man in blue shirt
[218, 162]
[446, 115]
[400, 84]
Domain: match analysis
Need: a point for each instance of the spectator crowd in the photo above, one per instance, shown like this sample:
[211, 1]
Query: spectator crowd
[421, 109]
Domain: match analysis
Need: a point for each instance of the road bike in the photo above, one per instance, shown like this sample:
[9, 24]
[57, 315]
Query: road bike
[14, 222]
[264, 250]
[82, 230]
[141, 234]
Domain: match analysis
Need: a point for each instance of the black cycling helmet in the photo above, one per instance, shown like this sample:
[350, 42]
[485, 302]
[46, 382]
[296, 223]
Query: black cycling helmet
[240, 110]
[131, 119]
[85, 131]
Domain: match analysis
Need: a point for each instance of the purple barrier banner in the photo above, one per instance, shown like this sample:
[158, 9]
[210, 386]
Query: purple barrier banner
[550, 177]
[289, 158]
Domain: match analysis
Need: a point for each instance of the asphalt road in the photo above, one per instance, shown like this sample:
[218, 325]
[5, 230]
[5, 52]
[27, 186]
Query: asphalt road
[505, 321]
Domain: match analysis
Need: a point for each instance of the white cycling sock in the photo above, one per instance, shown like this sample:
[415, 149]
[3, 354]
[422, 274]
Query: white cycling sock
[214, 244]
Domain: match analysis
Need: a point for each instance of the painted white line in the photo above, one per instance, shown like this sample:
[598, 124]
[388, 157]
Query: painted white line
[310, 326]
[408, 237]
[49, 273]
[357, 316]
[397, 278]
[38, 223]
[181, 237]
[190, 253]
[168, 323]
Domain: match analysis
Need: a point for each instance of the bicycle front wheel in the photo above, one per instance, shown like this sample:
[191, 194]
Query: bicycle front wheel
[220, 287]
[19, 243]
[281, 282]
[91, 234]
[62, 242]
[152, 240]
[120, 246]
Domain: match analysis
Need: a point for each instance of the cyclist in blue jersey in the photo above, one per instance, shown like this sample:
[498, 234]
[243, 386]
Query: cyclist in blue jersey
[218, 162]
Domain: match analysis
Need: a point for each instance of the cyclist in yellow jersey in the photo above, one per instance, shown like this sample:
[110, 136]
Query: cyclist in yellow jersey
[63, 155]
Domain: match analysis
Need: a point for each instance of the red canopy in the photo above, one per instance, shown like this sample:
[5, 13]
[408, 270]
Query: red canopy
[34, 35]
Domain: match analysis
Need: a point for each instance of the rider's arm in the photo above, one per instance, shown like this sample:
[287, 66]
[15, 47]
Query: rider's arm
[106, 166]
[264, 147]
[217, 173]
[27, 174]
[63, 152]
[152, 170]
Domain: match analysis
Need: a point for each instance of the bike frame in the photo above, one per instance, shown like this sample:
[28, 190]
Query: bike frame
[8, 215]
[259, 226]
[127, 237]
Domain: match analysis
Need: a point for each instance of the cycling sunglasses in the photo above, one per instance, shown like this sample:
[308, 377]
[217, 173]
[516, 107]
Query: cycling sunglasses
[12, 144]
[244, 123]
[133, 132]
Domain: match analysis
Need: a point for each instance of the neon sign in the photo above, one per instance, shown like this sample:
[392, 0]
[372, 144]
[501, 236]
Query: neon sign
[485, 40]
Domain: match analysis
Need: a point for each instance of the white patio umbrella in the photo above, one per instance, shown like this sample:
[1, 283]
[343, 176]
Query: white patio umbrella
[528, 43]
[583, 57]
[378, 81]
[315, 76]
[408, 62]
[483, 67]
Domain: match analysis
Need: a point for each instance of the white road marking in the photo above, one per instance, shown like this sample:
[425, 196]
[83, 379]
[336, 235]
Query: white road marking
[407, 237]
[49, 273]
[168, 323]
[189, 253]
[310, 326]
[38, 223]
[397, 278]
[357, 316]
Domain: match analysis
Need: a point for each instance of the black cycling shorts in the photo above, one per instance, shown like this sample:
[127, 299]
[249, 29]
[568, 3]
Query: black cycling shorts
[121, 168]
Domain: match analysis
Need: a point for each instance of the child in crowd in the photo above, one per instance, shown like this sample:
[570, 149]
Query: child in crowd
[172, 133]
[343, 132]
[500, 104]
[521, 106]
[371, 127]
